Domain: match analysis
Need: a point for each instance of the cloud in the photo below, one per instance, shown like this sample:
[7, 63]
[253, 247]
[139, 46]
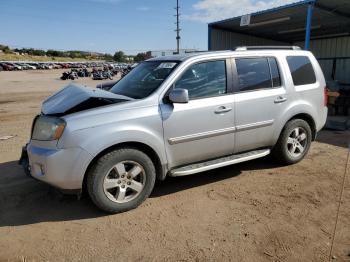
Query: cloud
[213, 10]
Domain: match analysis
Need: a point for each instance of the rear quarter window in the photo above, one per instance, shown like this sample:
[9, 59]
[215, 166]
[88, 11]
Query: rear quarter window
[301, 69]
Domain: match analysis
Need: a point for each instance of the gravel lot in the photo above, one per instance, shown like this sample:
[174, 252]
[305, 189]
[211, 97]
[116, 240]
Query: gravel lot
[255, 211]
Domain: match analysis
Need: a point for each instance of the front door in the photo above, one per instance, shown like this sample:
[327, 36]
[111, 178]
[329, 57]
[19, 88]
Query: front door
[203, 128]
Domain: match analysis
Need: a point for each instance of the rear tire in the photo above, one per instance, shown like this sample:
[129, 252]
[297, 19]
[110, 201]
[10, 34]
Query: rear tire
[294, 142]
[121, 180]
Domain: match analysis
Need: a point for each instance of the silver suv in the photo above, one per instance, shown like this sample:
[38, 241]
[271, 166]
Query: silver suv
[176, 116]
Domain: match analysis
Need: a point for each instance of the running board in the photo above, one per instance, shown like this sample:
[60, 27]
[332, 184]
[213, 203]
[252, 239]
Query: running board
[219, 162]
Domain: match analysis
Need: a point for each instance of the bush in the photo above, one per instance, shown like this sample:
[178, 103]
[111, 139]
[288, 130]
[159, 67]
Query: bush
[5, 49]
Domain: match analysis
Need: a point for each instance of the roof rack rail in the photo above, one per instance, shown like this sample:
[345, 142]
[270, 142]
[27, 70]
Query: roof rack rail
[245, 48]
[206, 51]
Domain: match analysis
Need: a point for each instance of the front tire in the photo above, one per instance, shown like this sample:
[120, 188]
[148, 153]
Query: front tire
[121, 180]
[294, 142]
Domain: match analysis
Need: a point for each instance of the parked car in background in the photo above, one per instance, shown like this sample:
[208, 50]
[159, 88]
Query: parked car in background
[28, 66]
[7, 66]
[23, 66]
[65, 65]
[15, 66]
[39, 65]
[34, 65]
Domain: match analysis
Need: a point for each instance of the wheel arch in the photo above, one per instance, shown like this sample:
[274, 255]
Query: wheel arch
[308, 119]
[148, 150]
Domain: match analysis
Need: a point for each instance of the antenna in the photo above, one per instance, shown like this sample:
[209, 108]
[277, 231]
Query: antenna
[178, 29]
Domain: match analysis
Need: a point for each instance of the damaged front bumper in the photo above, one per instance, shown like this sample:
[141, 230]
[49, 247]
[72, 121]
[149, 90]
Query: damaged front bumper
[61, 168]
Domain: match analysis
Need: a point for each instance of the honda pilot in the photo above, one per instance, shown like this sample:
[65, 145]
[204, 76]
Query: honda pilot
[176, 116]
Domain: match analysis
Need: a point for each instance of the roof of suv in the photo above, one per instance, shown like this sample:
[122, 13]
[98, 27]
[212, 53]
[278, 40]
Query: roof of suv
[187, 56]
[184, 57]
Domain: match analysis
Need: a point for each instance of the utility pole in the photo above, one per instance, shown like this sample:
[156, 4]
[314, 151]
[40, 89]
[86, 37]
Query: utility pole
[178, 29]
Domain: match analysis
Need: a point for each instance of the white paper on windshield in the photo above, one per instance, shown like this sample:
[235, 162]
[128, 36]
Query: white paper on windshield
[167, 65]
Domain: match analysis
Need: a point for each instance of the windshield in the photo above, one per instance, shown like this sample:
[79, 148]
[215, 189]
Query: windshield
[144, 79]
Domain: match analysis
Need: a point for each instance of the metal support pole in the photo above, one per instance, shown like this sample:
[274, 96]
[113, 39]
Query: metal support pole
[209, 37]
[177, 27]
[310, 8]
[334, 68]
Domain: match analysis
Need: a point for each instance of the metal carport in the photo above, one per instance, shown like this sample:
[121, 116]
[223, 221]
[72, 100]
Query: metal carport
[298, 22]
[323, 26]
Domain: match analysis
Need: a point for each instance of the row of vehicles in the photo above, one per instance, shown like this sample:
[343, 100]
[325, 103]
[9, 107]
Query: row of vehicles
[13, 66]
[97, 73]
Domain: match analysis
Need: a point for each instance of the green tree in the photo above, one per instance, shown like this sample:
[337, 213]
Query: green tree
[5, 49]
[142, 57]
[39, 52]
[75, 54]
[119, 56]
[108, 57]
[54, 53]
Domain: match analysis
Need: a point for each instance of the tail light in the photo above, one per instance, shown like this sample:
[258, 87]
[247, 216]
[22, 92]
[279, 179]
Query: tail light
[325, 101]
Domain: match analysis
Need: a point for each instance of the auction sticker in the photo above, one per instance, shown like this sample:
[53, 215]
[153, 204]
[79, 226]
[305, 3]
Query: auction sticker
[167, 65]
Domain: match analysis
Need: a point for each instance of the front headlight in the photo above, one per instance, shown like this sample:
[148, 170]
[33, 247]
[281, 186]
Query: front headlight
[48, 128]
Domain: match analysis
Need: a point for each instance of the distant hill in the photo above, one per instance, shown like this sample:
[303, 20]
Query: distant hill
[6, 53]
[25, 57]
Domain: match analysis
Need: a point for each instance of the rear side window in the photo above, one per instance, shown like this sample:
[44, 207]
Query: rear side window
[301, 70]
[257, 73]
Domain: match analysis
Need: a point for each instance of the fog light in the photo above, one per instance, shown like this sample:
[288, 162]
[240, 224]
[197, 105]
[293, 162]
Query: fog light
[42, 169]
[38, 169]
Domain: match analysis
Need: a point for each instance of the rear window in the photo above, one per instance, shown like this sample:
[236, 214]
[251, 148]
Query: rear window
[257, 73]
[301, 70]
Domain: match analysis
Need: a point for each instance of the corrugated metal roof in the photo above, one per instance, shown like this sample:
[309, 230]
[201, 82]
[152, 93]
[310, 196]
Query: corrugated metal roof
[276, 9]
[287, 23]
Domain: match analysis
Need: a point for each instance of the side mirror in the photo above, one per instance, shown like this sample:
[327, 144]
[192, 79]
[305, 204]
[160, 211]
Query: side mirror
[179, 95]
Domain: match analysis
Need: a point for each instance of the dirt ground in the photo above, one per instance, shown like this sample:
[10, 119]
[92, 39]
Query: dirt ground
[255, 211]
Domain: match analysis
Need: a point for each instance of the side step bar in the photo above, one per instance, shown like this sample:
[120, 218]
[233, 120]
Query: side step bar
[219, 162]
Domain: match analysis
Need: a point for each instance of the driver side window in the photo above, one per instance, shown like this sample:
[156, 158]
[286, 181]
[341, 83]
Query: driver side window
[204, 79]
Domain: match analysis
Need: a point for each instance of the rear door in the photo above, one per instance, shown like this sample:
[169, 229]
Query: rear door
[260, 99]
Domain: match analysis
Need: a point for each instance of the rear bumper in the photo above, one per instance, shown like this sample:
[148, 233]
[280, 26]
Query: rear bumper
[61, 168]
[323, 118]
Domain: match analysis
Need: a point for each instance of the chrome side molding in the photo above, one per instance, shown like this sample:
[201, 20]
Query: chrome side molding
[254, 125]
[218, 132]
[192, 137]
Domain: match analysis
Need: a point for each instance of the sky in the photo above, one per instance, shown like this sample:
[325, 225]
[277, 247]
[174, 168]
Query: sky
[109, 25]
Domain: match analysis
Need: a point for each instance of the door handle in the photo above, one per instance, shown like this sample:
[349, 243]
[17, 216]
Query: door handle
[280, 99]
[222, 109]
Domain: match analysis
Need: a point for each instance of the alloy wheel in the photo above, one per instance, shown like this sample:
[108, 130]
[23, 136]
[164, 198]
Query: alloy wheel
[124, 181]
[297, 142]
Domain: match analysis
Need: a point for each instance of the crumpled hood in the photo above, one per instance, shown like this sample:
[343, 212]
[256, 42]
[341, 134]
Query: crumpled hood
[74, 98]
